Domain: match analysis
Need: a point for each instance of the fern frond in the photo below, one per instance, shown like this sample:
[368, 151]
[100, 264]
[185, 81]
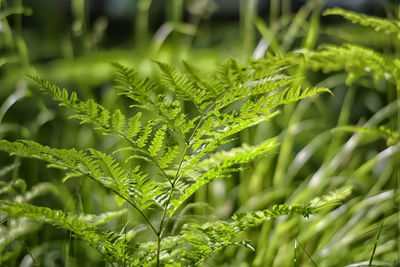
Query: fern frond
[157, 141]
[250, 87]
[107, 243]
[355, 60]
[293, 94]
[169, 156]
[230, 74]
[272, 65]
[144, 135]
[108, 171]
[377, 132]
[198, 242]
[134, 126]
[100, 167]
[207, 82]
[132, 87]
[220, 165]
[87, 112]
[385, 25]
[144, 93]
[118, 121]
[184, 87]
[103, 218]
[215, 135]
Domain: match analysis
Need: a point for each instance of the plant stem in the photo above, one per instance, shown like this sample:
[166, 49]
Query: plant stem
[158, 249]
[188, 144]
[127, 200]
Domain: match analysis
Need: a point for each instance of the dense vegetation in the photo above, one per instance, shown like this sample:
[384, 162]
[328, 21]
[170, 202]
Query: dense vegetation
[286, 155]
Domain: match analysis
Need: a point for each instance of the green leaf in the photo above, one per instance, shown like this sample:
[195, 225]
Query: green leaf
[388, 26]
[220, 165]
[183, 86]
[118, 121]
[107, 243]
[144, 134]
[157, 141]
[134, 126]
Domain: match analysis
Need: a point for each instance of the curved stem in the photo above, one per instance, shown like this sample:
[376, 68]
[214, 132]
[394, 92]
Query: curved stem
[128, 201]
[188, 144]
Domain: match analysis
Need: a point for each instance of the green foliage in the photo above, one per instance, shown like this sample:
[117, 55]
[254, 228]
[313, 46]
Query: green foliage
[355, 60]
[385, 25]
[386, 133]
[181, 146]
[204, 240]
[358, 61]
[198, 242]
[216, 166]
[108, 243]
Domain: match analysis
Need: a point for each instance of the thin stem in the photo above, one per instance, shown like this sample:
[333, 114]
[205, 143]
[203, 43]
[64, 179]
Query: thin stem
[158, 249]
[188, 144]
[177, 176]
[305, 251]
[31, 255]
[139, 210]
[375, 245]
[162, 228]
[127, 200]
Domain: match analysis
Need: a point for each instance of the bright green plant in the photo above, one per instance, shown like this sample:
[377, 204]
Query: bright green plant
[188, 148]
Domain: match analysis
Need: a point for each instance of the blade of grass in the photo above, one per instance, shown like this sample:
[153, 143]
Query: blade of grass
[375, 245]
[305, 251]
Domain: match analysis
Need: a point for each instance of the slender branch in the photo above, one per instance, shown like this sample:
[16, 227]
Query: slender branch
[177, 177]
[123, 197]
[158, 249]
[308, 255]
[132, 204]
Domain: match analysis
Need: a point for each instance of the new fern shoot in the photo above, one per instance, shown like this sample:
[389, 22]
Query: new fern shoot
[185, 148]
